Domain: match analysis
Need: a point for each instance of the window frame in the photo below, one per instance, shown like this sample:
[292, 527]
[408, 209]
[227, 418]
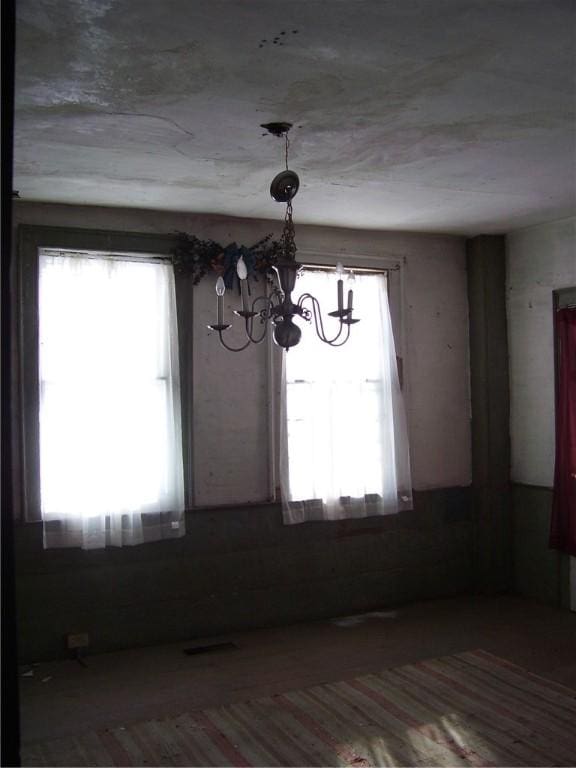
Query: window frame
[32, 238]
[394, 267]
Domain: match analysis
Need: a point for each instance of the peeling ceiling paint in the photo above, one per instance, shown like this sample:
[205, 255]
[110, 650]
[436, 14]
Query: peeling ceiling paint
[430, 115]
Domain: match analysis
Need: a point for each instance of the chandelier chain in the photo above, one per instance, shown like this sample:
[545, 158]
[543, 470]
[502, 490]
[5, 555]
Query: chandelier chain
[288, 234]
[286, 150]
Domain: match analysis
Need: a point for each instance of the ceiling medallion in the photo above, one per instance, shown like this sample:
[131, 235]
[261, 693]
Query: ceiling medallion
[277, 308]
[284, 186]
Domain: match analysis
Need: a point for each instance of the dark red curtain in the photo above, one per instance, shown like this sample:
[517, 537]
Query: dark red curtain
[563, 527]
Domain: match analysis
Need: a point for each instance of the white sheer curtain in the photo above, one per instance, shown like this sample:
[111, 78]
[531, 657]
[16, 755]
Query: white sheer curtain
[344, 445]
[110, 434]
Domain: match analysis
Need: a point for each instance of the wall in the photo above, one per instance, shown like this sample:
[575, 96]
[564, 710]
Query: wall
[539, 260]
[255, 570]
[239, 568]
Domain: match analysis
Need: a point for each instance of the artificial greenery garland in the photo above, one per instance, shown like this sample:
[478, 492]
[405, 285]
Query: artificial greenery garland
[201, 257]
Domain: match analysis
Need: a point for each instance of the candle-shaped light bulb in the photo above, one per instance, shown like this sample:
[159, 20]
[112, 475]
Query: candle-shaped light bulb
[242, 273]
[350, 298]
[340, 273]
[351, 281]
[220, 288]
[241, 269]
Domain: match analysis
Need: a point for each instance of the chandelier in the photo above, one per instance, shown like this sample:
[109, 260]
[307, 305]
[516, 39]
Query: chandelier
[278, 309]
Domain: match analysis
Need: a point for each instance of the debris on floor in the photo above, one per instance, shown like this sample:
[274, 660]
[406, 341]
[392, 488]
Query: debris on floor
[212, 648]
[353, 621]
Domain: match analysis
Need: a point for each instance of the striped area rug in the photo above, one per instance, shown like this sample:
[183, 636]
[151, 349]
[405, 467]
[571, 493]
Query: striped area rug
[470, 709]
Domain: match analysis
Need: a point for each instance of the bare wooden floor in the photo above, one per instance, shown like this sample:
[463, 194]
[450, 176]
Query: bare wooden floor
[65, 698]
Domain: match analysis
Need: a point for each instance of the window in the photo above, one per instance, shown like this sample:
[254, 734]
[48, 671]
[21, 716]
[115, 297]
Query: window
[110, 460]
[345, 443]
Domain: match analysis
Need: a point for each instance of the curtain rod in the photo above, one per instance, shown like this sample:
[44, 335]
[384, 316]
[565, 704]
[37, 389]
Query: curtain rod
[147, 257]
[112, 255]
[367, 270]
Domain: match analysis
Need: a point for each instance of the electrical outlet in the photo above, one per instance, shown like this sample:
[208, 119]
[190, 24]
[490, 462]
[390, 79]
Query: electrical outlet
[79, 640]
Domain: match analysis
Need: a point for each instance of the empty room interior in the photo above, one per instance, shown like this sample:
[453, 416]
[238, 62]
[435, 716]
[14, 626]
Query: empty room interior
[293, 382]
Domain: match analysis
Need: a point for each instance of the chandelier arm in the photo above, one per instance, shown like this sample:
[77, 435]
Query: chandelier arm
[266, 299]
[264, 316]
[341, 343]
[265, 313]
[250, 329]
[251, 338]
[319, 324]
[276, 294]
[332, 342]
[233, 349]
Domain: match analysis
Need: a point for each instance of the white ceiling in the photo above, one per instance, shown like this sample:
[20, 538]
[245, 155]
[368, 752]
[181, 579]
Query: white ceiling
[427, 115]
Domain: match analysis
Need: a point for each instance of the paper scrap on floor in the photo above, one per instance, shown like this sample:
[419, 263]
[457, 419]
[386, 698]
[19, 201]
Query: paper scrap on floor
[352, 621]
